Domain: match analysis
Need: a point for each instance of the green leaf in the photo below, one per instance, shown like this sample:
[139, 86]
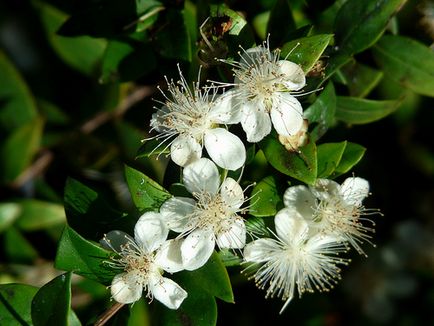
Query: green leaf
[280, 23]
[146, 193]
[19, 106]
[9, 212]
[82, 53]
[360, 111]
[359, 24]
[306, 51]
[301, 166]
[17, 248]
[238, 22]
[360, 79]
[322, 112]
[19, 149]
[15, 304]
[408, 62]
[152, 147]
[265, 198]
[257, 226]
[329, 156]
[85, 258]
[38, 215]
[352, 154]
[228, 258]
[51, 304]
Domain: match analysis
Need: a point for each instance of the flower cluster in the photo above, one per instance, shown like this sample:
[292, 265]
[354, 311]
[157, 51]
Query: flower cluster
[317, 224]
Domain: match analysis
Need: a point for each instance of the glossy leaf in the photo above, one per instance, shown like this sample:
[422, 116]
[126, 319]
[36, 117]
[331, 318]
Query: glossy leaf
[408, 62]
[82, 53]
[352, 154]
[146, 193]
[19, 149]
[15, 303]
[85, 258]
[17, 106]
[37, 215]
[301, 166]
[280, 23]
[359, 24]
[9, 212]
[360, 79]
[329, 156]
[306, 51]
[51, 304]
[360, 111]
[265, 198]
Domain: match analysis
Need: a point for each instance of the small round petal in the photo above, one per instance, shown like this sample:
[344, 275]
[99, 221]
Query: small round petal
[287, 115]
[291, 227]
[125, 289]
[232, 193]
[225, 109]
[169, 257]
[150, 231]
[234, 238]
[295, 77]
[256, 121]
[260, 250]
[325, 188]
[301, 198]
[201, 175]
[175, 212]
[167, 292]
[197, 248]
[354, 190]
[114, 240]
[225, 149]
[185, 150]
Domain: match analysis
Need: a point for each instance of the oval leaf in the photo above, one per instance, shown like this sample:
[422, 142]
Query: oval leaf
[352, 154]
[37, 215]
[265, 198]
[280, 23]
[329, 156]
[360, 79]
[15, 304]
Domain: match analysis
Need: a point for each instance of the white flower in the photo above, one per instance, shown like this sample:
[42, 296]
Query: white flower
[143, 260]
[263, 86]
[189, 120]
[334, 209]
[297, 259]
[210, 218]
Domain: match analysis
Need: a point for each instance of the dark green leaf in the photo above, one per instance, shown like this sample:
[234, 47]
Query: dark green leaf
[408, 62]
[306, 51]
[19, 149]
[152, 147]
[9, 212]
[37, 215]
[265, 198]
[228, 258]
[329, 156]
[360, 111]
[15, 304]
[322, 112]
[17, 248]
[146, 193]
[257, 226]
[360, 79]
[52, 113]
[280, 23]
[17, 106]
[359, 24]
[75, 254]
[82, 53]
[353, 153]
[301, 166]
[51, 304]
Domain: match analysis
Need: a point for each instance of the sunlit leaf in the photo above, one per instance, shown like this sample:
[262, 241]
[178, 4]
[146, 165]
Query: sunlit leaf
[15, 303]
[9, 212]
[329, 156]
[37, 215]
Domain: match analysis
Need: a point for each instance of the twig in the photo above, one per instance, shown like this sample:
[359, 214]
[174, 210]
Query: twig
[109, 313]
[38, 167]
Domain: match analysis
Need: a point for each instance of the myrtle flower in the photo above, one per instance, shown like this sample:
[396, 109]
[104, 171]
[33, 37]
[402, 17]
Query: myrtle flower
[210, 218]
[143, 260]
[189, 119]
[298, 259]
[263, 85]
[334, 209]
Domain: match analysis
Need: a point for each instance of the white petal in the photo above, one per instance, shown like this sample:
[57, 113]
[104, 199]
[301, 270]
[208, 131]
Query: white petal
[232, 193]
[255, 56]
[175, 212]
[260, 250]
[255, 121]
[225, 149]
[167, 292]
[113, 240]
[234, 238]
[301, 198]
[197, 248]
[185, 150]
[201, 175]
[295, 77]
[169, 257]
[291, 227]
[325, 188]
[157, 119]
[225, 109]
[354, 190]
[125, 288]
[150, 231]
[287, 115]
